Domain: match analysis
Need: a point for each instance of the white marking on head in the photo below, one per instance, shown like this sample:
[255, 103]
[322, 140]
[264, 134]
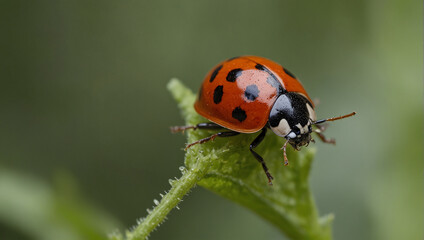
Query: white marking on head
[282, 129]
[311, 112]
[300, 128]
[303, 129]
[291, 135]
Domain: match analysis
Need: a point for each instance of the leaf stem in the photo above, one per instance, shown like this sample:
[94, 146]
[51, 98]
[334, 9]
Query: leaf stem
[180, 187]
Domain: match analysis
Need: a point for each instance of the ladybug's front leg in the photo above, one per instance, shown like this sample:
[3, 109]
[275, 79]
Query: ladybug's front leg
[319, 130]
[253, 145]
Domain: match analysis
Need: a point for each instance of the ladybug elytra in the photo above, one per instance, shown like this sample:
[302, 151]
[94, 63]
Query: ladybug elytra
[249, 94]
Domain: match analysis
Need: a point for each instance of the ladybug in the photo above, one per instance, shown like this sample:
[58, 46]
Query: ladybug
[252, 94]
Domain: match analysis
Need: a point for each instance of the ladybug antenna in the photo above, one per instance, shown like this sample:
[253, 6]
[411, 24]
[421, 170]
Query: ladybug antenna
[333, 118]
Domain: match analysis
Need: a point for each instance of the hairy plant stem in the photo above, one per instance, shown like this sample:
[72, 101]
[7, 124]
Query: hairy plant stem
[180, 187]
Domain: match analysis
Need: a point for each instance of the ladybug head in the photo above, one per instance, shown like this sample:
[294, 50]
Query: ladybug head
[292, 117]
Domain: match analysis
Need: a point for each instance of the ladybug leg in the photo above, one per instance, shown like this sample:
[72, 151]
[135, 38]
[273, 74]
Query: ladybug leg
[254, 144]
[207, 126]
[323, 138]
[286, 160]
[212, 137]
[322, 127]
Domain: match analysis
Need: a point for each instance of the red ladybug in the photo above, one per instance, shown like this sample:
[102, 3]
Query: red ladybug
[250, 94]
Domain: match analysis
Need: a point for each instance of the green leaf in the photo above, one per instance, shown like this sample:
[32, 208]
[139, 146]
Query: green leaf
[226, 167]
[233, 173]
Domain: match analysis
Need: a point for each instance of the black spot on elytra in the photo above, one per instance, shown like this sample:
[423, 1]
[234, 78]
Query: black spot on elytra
[272, 79]
[239, 114]
[214, 73]
[233, 74]
[289, 73]
[217, 94]
[260, 67]
[263, 68]
[252, 92]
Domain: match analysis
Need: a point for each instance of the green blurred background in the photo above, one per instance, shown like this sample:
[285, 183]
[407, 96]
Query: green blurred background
[85, 145]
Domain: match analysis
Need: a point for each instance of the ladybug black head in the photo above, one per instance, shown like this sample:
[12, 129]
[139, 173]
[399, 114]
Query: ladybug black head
[291, 117]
